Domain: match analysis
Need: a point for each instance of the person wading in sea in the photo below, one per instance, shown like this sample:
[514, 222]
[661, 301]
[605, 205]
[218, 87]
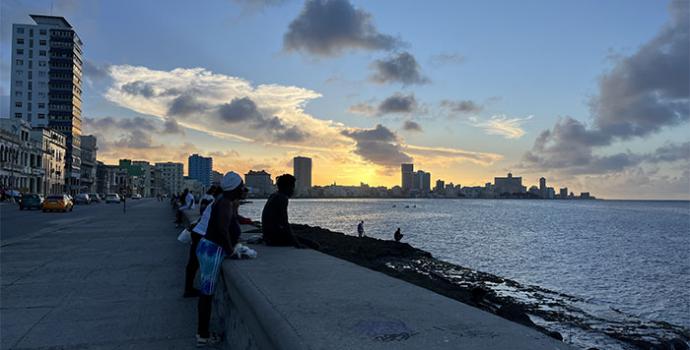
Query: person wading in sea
[360, 229]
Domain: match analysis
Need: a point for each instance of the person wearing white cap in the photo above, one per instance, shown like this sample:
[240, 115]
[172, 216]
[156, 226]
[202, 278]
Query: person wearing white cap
[222, 234]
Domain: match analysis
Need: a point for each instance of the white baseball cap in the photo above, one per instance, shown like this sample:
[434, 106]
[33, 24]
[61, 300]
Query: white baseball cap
[230, 181]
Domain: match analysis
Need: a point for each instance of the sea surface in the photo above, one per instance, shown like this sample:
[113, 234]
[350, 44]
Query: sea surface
[627, 256]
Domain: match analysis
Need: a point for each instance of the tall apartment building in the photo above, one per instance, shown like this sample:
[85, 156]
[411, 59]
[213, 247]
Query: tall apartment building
[201, 169]
[510, 184]
[88, 163]
[259, 183]
[407, 171]
[302, 172]
[422, 181]
[46, 83]
[172, 175]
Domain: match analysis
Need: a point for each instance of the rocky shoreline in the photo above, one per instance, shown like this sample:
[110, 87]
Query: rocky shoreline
[555, 314]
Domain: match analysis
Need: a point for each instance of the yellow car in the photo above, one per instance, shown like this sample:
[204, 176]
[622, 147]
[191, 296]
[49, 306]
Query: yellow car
[57, 202]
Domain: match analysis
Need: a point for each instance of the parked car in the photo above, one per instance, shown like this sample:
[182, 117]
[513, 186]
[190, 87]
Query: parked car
[58, 202]
[30, 201]
[82, 198]
[136, 196]
[94, 197]
[112, 198]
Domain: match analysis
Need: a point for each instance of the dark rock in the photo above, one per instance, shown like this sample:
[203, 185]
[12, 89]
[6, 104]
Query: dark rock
[675, 344]
[555, 335]
[515, 313]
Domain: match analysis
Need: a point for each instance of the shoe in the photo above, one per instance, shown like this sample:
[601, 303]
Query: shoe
[211, 340]
[191, 293]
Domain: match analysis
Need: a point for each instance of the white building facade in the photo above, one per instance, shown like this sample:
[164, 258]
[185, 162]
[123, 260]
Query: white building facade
[172, 176]
[54, 147]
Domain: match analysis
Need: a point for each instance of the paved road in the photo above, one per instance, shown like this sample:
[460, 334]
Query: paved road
[93, 278]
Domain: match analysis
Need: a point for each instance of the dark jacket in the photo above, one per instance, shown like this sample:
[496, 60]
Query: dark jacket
[274, 221]
[223, 225]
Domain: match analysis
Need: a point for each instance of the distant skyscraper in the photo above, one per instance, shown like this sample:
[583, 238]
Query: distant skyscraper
[46, 83]
[407, 171]
[201, 169]
[508, 184]
[302, 171]
[440, 185]
[216, 176]
[542, 188]
[563, 194]
[422, 181]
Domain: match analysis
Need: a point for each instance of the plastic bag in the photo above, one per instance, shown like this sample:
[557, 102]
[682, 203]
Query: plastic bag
[241, 251]
[185, 237]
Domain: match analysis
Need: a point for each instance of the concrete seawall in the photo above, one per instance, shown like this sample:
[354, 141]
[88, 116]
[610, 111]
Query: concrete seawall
[291, 298]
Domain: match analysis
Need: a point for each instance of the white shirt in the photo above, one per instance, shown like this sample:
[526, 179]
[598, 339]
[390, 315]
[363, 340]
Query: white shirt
[188, 202]
[202, 225]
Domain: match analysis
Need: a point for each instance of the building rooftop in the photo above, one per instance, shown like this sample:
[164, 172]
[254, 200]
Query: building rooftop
[51, 20]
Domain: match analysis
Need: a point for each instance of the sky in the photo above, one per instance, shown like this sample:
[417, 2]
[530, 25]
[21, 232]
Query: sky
[591, 95]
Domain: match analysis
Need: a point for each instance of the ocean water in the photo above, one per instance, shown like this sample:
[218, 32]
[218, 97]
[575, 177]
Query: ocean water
[632, 256]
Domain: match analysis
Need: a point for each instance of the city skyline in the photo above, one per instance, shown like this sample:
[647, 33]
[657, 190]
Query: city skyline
[363, 102]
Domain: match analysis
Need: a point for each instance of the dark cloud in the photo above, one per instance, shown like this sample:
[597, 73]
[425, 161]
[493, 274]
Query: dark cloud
[328, 27]
[402, 68]
[139, 88]
[185, 105]
[410, 125]
[642, 94]
[95, 72]
[238, 110]
[170, 126]
[398, 103]
[132, 132]
[245, 110]
[462, 106]
[379, 146]
[671, 152]
[258, 4]
[650, 89]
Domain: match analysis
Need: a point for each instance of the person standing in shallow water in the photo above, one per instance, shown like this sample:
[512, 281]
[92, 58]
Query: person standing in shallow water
[397, 235]
[360, 229]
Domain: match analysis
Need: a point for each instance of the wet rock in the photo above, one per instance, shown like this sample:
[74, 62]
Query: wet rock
[555, 335]
[675, 344]
[515, 313]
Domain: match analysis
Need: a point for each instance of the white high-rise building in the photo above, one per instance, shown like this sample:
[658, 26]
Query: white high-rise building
[46, 83]
[302, 172]
[172, 175]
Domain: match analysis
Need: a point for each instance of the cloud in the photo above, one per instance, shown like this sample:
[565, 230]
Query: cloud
[138, 88]
[462, 106]
[670, 153]
[170, 126]
[447, 58]
[223, 106]
[329, 27]
[395, 104]
[402, 68]
[641, 95]
[117, 133]
[410, 125]
[510, 128]
[398, 103]
[95, 72]
[446, 155]
[185, 105]
[379, 146]
[254, 5]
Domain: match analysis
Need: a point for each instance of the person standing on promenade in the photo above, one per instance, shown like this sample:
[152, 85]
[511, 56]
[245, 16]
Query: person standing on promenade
[198, 232]
[187, 199]
[360, 229]
[207, 199]
[397, 235]
[222, 234]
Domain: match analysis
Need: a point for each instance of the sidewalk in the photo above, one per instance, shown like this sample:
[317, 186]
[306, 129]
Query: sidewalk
[113, 282]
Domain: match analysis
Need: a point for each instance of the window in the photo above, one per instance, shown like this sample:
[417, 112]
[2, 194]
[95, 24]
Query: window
[18, 104]
[42, 32]
[42, 63]
[29, 96]
[19, 62]
[41, 116]
[31, 32]
[31, 42]
[42, 53]
[18, 83]
[41, 94]
[31, 74]
[41, 105]
[19, 73]
[20, 30]
[41, 73]
[42, 42]
[28, 106]
[18, 94]
[20, 41]
[17, 115]
[20, 51]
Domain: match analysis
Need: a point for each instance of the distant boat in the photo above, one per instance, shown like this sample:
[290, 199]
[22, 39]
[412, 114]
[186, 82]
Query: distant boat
[407, 206]
[393, 205]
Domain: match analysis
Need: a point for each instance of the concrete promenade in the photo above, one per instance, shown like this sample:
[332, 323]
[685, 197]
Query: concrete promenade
[94, 278]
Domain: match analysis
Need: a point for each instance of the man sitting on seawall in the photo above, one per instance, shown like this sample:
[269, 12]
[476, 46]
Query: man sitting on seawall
[274, 218]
